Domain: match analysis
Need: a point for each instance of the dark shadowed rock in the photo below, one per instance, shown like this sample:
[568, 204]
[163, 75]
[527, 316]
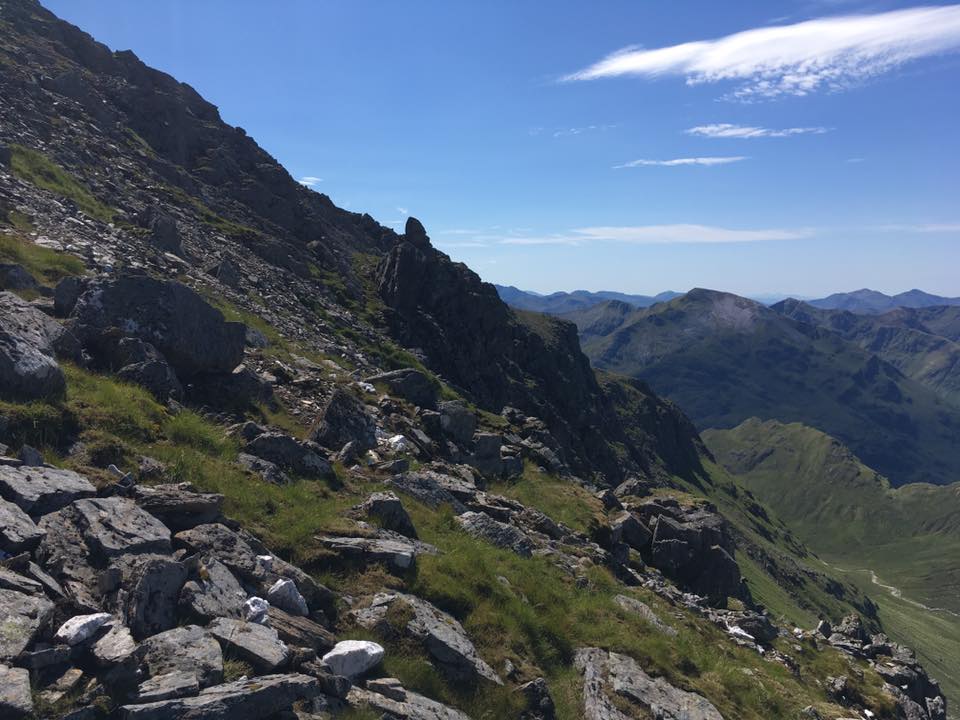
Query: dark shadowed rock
[39, 490]
[178, 506]
[303, 458]
[24, 616]
[627, 528]
[153, 590]
[539, 702]
[412, 385]
[457, 421]
[415, 234]
[345, 419]
[16, 277]
[66, 294]
[252, 699]
[442, 636]
[191, 335]
[269, 471]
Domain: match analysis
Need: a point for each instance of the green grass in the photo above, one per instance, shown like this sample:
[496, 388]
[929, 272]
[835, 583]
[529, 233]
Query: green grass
[37, 168]
[563, 501]
[850, 516]
[46, 265]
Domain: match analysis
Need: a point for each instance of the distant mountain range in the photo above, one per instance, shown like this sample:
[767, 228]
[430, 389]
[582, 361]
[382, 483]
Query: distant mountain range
[559, 303]
[861, 302]
[872, 302]
[724, 359]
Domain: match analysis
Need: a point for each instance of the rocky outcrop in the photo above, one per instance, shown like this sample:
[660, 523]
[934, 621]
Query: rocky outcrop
[607, 675]
[29, 344]
[41, 490]
[345, 420]
[412, 385]
[442, 636]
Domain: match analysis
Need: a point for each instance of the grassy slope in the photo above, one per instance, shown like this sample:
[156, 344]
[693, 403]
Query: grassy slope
[910, 536]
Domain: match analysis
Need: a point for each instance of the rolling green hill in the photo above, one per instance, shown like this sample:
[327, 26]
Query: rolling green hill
[902, 545]
[724, 358]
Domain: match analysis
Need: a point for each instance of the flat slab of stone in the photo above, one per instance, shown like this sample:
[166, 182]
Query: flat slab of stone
[117, 526]
[632, 605]
[252, 699]
[412, 707]
[17, 531]
[40, 490]
[189, 649]
[176, 684]
[10, 580]
[257, 644]
[300, 631]
[21, 618]
[177, 506]
[395, 553]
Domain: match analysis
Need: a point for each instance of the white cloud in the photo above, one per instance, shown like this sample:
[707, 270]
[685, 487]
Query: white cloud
[402, 210]
[678, 162]
[565, 132]
[310, 180]
[748, 132]
[923, 228]
[683, 234]
[827, 53]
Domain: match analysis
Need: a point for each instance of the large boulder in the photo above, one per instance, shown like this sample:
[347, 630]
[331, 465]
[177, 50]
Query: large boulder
[351, 658]
[412, 385]
[213, 592]
[29, 342]
[301, 457]
[345, 419]
[388, 511]
[186, 649]
[191, 334]
[152, 594]
[115, 526]
[457, 421]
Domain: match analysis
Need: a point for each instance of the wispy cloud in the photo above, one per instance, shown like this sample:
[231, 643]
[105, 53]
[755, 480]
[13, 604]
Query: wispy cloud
[827, 53]
[684, 234]
[679, 162]
[567, 132]
[922, 228]
[310, 180]
[748, 132]
[402, 210]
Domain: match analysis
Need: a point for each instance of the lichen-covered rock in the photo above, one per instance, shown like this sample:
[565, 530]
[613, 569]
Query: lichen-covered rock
[23, 617]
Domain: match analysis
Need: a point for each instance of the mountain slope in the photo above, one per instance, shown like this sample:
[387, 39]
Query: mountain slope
[909, 339]
[869, 302]
[849, 514]
[559, 303]
[724, 359]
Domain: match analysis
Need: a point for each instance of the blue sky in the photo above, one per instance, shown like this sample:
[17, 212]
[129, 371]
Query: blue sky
[736, 146]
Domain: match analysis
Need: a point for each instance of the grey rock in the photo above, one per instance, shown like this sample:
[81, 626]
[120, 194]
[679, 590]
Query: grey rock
[156, 376]
[300, 631]
[28, 344]
[239, 552]
[412, 385]
[66, 294]
[10, 580]
[178, 506]
[627, 528]
[24, 616]
[80, 628]
[153, 591]
[176, 684]
[114, 647]
[433, 489]
[17, 531]
[16, 699]
[257, 644]
[496, 533]
[457, 421]
[486, 454]
[284, 595]
[389, 511]
[191, 334]
[388, 687]
[251, 699]
[39, 491]
[30, 457]
[294, 455]
[607, 674]
[189, 649]
[632, 605]
[540, 704]
[215, 592]
[351, 658]
[345, 419]
[116, 526]
[269, 471]
[413, 706]
[397, 554]
[442, 636]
